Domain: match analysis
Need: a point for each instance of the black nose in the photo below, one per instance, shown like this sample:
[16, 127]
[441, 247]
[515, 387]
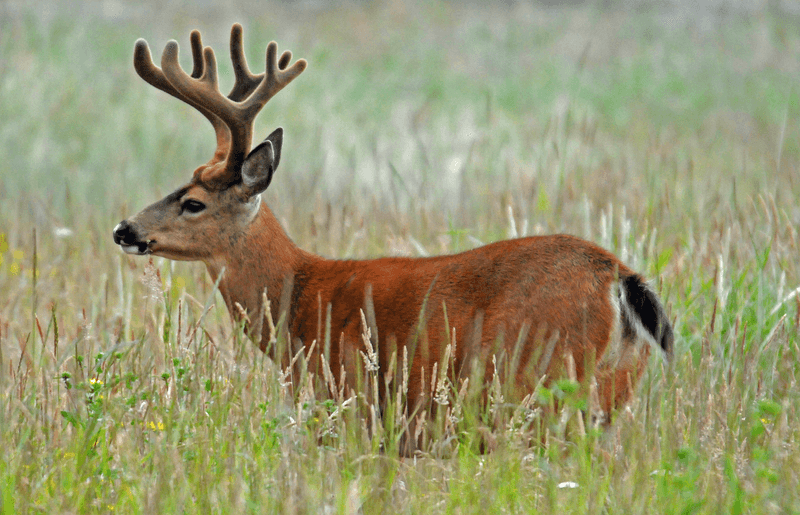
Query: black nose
[124, 234]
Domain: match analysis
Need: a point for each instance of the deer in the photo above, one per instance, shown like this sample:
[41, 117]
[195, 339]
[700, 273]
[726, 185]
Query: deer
[555, 305]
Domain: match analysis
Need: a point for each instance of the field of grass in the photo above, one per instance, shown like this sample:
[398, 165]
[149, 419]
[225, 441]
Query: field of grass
[668, 135]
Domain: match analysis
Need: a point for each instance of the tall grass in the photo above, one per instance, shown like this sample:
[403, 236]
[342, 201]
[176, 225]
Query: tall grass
[670, 139]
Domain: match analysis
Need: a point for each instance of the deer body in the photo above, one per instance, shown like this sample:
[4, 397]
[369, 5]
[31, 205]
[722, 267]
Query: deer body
[533, 288]
[532, 301]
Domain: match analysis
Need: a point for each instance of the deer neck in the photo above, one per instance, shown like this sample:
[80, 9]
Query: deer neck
[261, 259]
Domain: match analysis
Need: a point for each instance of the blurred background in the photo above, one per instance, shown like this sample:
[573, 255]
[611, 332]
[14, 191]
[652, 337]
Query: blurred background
[413, 104]
[419, 127]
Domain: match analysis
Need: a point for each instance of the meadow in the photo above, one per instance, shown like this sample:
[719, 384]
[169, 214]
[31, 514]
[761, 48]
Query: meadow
[667, 133]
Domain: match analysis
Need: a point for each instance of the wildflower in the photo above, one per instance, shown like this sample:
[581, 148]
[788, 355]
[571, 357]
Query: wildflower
[95, 385]
[62, 232]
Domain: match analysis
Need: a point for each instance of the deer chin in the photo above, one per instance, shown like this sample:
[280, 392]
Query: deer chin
[137, 249]
[153, 249]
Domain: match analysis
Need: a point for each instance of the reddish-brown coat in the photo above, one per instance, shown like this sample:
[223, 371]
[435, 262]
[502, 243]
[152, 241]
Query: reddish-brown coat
[546, 284]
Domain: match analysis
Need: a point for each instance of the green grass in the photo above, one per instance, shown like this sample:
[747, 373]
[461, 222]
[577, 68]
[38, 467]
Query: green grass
[672, 140]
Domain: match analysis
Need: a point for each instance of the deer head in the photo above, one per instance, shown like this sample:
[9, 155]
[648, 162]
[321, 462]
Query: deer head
[203, 218]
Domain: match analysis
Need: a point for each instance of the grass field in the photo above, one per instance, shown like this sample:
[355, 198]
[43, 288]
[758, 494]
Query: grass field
[667, 134]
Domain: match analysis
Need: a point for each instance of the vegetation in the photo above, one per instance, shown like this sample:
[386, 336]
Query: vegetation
[671, 138]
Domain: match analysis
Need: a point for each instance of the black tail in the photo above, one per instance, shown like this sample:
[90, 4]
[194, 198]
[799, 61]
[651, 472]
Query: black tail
[648, 309]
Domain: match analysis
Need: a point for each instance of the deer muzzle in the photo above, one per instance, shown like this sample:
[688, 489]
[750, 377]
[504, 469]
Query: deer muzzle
[125, 236]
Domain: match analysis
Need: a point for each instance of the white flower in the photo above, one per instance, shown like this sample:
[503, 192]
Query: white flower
[62, 232]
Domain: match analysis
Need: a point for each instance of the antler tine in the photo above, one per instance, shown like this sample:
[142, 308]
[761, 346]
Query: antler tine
[143, 64]
[246, 82]
[153, 75]
[201, 90]
[276, 79]
[197, 52]
[283, 62]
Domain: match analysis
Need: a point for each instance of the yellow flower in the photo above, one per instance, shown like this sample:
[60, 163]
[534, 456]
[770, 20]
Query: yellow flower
[18, 254]
[14, 269]
[154, 427]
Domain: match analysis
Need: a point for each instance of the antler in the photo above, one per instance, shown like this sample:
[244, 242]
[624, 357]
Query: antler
[232, 116]
[153, 75]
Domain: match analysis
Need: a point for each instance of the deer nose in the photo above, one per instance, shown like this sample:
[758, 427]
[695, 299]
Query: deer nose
[124, 234]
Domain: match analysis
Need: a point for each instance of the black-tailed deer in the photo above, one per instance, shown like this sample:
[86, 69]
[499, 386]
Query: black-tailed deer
[542, 300]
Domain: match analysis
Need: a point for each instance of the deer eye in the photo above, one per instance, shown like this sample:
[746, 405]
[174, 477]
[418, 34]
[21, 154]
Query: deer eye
[192, 206]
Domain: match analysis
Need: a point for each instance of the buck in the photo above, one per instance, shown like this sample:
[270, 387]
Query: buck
[544, 302]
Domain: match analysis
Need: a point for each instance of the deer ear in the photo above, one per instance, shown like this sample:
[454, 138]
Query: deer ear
[260, 164]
